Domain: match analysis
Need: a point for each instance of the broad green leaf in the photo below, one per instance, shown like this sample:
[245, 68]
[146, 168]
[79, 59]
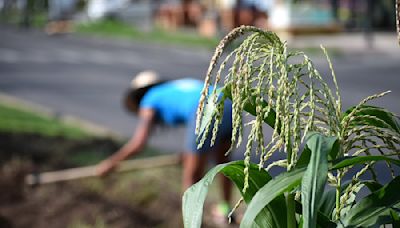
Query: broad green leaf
[390, 216]
[194, 197]
[395, 218]
[328, 201]
[386, 217]
[377, 112]
[350, 161]
[369, 210]
[348, 204]
[314, 179]
[306, 153]
[304, 157]
[273, 189]
[323, 221]
[372, 185]
[334, 151]
[273, 215]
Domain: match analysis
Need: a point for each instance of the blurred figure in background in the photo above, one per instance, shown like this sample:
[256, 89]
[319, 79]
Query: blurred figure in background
[172, 103]
[252, 12]
[60, 16]
[172, 14]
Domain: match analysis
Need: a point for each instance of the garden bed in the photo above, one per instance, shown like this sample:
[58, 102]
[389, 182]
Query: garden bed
[147, 198]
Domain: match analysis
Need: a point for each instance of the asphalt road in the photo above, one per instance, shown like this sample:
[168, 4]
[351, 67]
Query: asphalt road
[86, 76]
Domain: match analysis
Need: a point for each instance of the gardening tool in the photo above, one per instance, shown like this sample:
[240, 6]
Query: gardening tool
[90, 171]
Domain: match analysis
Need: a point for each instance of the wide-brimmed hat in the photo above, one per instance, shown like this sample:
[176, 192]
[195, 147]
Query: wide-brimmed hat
[144, 79]
[138, 87]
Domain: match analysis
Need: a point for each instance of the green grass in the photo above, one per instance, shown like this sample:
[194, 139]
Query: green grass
[38, 18]
[111, 28]
[16, 120]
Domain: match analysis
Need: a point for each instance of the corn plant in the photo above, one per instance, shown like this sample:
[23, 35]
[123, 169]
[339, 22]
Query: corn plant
[282, 89]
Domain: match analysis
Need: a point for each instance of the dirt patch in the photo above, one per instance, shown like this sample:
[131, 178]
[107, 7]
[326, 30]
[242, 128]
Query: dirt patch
[50, 153]
[66, 205]
[148, 198]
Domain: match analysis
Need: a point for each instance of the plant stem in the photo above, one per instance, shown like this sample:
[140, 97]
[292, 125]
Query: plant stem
[291, 211]
[339, 180]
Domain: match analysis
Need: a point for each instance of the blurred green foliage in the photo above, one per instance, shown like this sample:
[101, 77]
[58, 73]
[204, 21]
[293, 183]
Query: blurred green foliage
[21, 121]
[114, 28]
[36, 18]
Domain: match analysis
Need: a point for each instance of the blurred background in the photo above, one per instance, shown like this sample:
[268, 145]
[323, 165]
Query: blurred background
[65, 65]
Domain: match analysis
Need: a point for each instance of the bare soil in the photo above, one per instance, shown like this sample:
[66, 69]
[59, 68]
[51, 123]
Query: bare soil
[149, 198]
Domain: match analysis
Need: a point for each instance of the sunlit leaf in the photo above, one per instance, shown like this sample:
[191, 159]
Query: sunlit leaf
[194, 197]
[328, 202]
[273, 189]
[350, 161]
[369, 209]
[314, 179]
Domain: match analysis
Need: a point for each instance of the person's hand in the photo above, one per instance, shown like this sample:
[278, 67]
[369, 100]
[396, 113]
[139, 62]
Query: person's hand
[105, 167]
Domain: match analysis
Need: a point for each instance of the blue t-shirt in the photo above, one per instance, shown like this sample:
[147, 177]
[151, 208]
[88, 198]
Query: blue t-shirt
[175, 102]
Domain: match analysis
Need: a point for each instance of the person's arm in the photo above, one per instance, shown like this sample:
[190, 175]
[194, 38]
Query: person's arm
[133, 146]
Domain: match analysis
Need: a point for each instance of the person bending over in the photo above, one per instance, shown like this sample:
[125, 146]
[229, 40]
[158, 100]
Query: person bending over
[173, 103]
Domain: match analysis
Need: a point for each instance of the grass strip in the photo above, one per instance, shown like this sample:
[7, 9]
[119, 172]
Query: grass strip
[113, 28]
[17, 120]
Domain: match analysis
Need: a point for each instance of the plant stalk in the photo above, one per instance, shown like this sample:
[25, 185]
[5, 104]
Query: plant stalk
[291, 211]
[338, 186]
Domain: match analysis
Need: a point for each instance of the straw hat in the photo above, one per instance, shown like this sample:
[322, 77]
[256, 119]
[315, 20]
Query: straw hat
[144, 79]
[138, 87]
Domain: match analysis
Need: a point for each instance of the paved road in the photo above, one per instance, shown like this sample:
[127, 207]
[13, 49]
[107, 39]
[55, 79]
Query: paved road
[86, 76]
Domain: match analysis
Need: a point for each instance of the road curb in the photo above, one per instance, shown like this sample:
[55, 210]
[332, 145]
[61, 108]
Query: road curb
[88, 126]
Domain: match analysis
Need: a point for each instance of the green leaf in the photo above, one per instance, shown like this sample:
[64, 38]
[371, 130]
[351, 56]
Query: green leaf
[350, 161]
[273, 215]
[304, 158]
[322, 220]
[328, 201]
[272, 190]
[377, 112]
[369, 210]
[348, 204]
[372, 185]
[395, 218]
[334, 151]
[194, 197]
[314, 179]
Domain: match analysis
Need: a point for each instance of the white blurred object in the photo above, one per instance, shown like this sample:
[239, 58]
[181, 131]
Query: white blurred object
[144, 79]
[226, 4]
[300, 15]
[100, 8]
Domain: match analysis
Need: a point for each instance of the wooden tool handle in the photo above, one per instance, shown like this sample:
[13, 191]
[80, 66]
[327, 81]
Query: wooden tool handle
[90, 171]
